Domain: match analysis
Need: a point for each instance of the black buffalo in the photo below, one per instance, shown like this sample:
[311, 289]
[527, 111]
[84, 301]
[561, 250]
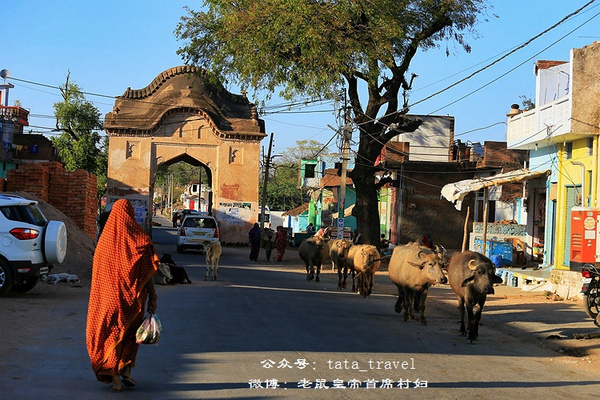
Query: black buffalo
[471, 276]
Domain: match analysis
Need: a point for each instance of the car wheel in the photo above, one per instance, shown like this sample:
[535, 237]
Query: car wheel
[6, 277]
[26, 285]
[179, 249]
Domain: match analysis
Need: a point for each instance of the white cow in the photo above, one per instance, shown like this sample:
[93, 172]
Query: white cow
[163, 275]
[213, 254]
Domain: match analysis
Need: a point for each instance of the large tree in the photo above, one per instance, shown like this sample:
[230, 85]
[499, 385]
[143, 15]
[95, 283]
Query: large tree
[79, 144]
[314, 48]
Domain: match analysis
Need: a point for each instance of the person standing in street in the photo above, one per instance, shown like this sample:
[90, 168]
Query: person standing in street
[254, 240]
[269, 245]
[280, 242]
[124, 265]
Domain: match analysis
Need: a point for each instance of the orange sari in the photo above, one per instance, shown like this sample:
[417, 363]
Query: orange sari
[124, 261]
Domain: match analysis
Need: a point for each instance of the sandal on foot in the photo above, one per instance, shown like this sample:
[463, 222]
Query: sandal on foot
[128, 381]
[117, 388]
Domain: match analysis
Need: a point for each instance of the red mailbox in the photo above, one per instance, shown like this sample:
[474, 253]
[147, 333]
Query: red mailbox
[585, 228]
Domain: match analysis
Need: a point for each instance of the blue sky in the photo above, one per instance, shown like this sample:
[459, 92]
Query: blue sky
[108, 46]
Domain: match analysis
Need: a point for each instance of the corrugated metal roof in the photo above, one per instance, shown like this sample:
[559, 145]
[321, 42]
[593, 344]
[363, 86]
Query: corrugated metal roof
[456, 192]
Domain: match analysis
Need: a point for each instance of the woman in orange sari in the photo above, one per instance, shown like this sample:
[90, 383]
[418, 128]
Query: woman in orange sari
[122, 277]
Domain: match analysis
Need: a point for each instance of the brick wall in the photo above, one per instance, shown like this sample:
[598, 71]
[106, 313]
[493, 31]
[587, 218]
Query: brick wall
[72, 193]
[423, 211]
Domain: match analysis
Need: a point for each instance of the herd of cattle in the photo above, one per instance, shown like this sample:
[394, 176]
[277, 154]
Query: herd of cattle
[413, 268]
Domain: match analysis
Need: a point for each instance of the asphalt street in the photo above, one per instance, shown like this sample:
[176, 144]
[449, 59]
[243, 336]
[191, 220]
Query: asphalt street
[263, 331]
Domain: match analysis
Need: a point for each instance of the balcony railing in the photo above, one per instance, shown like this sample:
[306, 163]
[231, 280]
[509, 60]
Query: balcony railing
[14, 114]
[539, 125]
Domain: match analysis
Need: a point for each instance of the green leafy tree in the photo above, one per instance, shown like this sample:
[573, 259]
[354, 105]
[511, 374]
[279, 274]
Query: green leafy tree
[80, 145]
[304, 149]
[283, 192]
[314, 48]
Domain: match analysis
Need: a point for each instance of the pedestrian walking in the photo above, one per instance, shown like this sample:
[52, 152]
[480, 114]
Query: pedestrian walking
[357, 238]
[269, 244]
[124, 265]
[254, 241]
[280, 242]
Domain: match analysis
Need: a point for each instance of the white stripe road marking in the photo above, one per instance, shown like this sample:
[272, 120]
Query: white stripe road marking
[304, 290]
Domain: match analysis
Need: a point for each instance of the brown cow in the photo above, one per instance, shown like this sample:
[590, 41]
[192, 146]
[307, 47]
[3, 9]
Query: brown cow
[364, 261]
[471, 276]
[338, 252]
[413, 268]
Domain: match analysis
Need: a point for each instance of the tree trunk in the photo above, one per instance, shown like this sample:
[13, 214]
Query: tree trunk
[366, 208]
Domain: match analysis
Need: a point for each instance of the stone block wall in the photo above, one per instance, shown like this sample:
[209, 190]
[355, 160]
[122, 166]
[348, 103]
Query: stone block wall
[72, 193]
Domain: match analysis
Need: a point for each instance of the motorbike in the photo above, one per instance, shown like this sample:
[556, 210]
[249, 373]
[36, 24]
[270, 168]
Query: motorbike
[590, 288]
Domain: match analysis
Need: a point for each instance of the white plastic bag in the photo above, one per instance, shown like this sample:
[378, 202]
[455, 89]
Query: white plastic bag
[149, 330]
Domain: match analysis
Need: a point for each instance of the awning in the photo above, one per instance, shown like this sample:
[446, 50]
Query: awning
[456, 192]
[347, 212]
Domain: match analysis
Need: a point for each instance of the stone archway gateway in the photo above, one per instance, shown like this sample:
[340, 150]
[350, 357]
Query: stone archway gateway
[181, 116]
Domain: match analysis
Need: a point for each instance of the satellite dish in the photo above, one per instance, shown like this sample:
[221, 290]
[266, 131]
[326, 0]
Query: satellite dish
[4, 74]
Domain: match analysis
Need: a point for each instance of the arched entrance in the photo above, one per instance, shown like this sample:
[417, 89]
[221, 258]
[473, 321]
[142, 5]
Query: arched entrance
[204, 174]
[180, 116]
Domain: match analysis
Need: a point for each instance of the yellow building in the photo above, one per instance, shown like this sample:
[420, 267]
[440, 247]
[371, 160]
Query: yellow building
[561, 133]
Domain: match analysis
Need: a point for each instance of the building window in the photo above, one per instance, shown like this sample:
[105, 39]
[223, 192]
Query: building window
[590, 146]
[309, 170]
[569, 150]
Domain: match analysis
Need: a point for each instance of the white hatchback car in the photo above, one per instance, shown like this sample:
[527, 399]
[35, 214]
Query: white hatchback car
[30, 245]
[196, 229]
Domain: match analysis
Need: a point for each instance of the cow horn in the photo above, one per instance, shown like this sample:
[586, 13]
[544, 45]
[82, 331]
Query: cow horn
[472, 265]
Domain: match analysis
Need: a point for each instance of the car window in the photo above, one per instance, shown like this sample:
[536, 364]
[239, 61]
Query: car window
[190, 222]
[30, 214]
[208, 223]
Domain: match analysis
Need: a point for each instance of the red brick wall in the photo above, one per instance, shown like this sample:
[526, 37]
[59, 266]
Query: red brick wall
[72, 193]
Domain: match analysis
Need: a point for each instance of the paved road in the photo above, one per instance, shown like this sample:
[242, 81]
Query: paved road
[263, 331]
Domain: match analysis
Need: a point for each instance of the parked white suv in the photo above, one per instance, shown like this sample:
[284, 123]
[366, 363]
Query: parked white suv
[30, 245]
[196, 229]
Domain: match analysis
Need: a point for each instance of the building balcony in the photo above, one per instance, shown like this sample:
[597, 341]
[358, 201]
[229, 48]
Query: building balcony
[14, 114]
[541, 127]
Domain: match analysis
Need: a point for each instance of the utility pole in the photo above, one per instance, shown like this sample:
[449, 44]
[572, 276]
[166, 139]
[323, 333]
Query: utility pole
[346, 135]
[266, 162]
